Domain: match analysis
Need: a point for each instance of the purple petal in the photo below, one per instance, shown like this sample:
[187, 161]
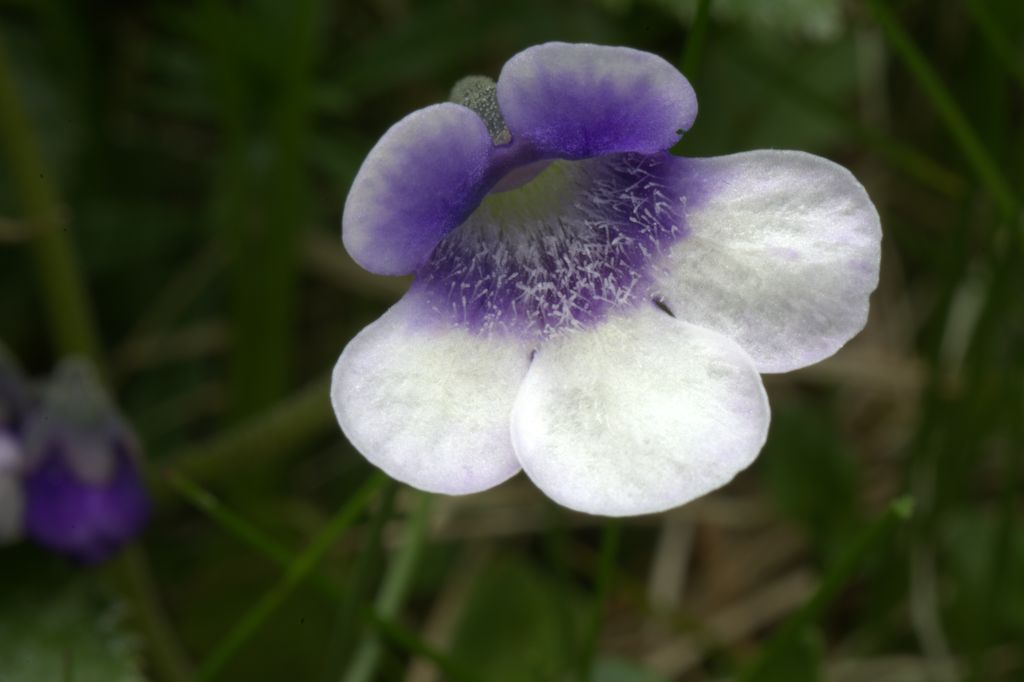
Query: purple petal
[782, 256]
[638, 415]
[421, 180]
[85, 520]
[578, 100]
[428, 402]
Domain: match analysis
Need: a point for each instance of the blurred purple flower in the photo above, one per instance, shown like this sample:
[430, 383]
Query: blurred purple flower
[587, 306]
[12, 500]
[14, 402]
[84, 495]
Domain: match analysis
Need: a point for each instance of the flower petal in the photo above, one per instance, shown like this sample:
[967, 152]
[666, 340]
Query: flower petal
[419, 181]
[429, 403]
[12, 504]
[575, 101]
[638, 415]
[11, 498]
[782, 254]
[89, 522]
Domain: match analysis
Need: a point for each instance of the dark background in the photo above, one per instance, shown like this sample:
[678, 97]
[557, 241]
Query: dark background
[192, 159]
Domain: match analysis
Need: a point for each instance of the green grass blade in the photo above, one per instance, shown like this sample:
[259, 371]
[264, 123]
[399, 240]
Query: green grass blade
[360, 586]
[610, 540]
[363, 666]
[243, 531]
[695, 40]
[132, 574]
[393, 631]
[66, 301]
[1001, 45]
[837, 578]
[236, 526]
[298, 571]
[898, 154]
[956, 122]
[266, 546]
[269, 434]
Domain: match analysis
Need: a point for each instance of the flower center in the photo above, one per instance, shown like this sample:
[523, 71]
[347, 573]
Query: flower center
[557, 253]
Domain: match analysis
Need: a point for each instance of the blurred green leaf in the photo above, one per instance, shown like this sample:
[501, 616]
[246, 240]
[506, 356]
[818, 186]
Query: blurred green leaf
[812, 475]
[619, 670]
[969, 539]
[815, 19]
[511, 630]
[799, 661]
[65, 634]
[742, 109]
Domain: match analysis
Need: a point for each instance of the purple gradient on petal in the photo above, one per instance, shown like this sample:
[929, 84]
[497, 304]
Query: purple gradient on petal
[431, 170]
[576, 101]
[423, 177]
[87, 521]
[594, 253]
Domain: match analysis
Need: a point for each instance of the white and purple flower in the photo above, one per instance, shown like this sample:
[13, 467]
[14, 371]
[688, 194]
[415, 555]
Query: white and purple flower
[83, 493]
[587, 307]
[15, 400]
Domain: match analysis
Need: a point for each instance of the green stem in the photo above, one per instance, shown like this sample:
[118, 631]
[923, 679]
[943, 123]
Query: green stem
[266, 546]
[1002, 561]
[836, 580]
[695, 40]
[451, 669]
[956, 122]
[392, 594]
[243, 531]
[556, 543]
[133, 576]
[360, 585]
[228, 520]
[262, 207]
[75, 332]
[610, 540]
[996, 37]
[298, 571]
[273, 432]
[65, 299]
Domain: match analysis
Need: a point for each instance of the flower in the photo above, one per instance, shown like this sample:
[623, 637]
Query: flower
[586, 306]
[84, 496]
[12, 501]
[14, 402]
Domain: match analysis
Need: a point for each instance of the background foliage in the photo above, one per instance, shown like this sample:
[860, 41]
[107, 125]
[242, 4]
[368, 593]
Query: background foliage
[195, 156]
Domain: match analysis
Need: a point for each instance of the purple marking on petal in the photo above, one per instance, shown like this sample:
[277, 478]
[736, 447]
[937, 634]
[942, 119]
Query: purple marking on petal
[578, 101]
[423, 177]
[563, 250]
[431, 169]
[86, 521]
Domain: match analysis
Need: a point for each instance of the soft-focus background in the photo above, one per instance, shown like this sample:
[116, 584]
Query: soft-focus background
[195, 155]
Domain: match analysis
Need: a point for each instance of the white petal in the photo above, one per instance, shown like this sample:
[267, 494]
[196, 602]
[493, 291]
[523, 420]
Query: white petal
[782, 255]
[429, 403]
[638, 415]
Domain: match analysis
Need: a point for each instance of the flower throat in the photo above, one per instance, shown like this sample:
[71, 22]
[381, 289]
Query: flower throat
[560, 251]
